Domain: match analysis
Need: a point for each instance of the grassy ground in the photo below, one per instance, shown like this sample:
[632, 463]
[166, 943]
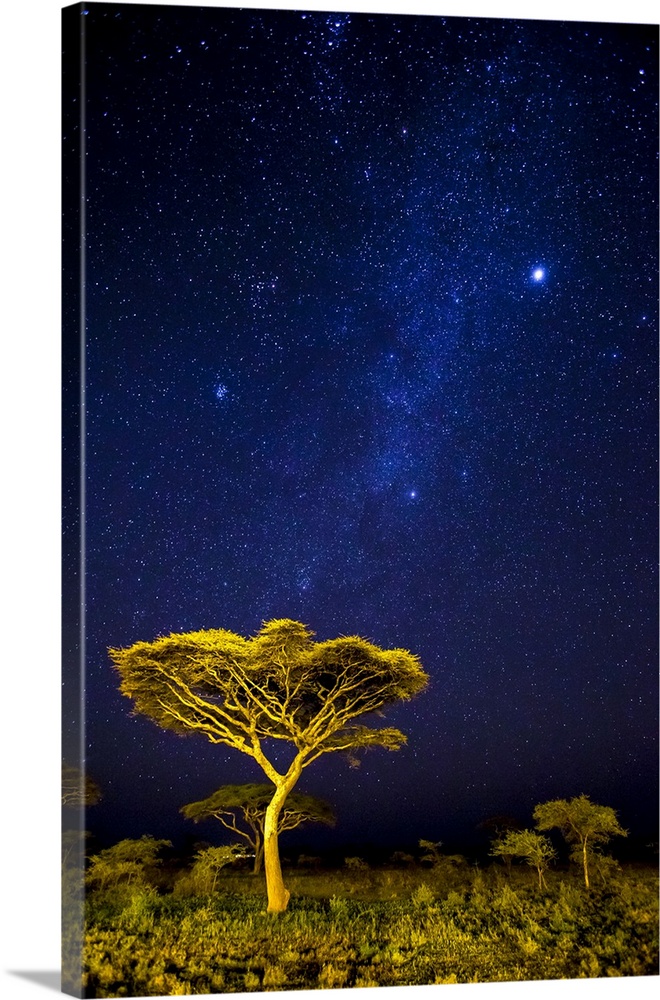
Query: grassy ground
[384, 927]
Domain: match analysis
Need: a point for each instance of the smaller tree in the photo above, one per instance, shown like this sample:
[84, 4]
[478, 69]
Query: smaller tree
[210, 861]
[433, 858]
[78, 789]
[242, 809]
[356, 864]
[532, 847]
[129, 863]
[583, 824]
[496, 828]
[431, 850]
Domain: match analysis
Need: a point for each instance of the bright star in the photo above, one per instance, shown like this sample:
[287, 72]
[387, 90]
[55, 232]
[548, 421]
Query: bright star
[538, 274]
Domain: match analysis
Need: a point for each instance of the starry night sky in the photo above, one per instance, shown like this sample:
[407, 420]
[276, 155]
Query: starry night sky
[371, 343]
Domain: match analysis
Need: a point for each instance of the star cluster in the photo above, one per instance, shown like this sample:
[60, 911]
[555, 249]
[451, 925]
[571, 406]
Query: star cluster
[371, 303]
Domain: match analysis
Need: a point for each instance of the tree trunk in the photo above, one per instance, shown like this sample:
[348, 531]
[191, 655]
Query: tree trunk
[584, 862]
[278, 894]
[258, 854]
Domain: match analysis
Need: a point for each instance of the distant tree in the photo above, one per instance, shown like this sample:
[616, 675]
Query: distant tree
[210, 861]
[130, 862]
[532, 847]
[433, 858]
[583, 824]
[279, 685]
[431, 850]
[496, 827]
[78, 788]
[356, 864]
[233, 804]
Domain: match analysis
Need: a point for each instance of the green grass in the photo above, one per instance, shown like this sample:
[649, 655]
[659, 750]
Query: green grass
[372, 928]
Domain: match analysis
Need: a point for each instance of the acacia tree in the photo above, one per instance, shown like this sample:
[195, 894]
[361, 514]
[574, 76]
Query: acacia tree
[78, 789]
[583, 824]
[249, 803]
[130, 862]
[498, 827]
[210, 861]
[532, 847]
[279, 685]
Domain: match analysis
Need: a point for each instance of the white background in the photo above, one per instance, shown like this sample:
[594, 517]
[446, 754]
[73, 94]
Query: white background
[29, 485]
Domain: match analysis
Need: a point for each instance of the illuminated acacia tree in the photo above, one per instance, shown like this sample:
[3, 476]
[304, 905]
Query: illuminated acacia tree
[536, 850]
[279, 685]
[238, 806]
[583, 823]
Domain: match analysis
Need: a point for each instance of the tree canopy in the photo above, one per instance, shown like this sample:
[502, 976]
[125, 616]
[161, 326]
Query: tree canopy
[249, 804]
[278, 685]
[209, 862]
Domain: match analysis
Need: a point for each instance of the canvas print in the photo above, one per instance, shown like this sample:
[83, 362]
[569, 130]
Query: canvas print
[360, 535]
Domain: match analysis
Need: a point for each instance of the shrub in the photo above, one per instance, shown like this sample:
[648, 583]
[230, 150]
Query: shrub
[356, 864]
[332, 977]
[422, 896]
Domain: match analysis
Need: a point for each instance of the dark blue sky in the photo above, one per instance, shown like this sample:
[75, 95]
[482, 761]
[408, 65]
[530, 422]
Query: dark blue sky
[372, 343]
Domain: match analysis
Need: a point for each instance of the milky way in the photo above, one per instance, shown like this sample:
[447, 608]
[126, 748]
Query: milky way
[371, 343]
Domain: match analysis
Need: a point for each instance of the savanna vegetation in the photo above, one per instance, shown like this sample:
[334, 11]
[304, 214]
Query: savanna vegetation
[541, 903]
[405, 922]
[156, 924]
